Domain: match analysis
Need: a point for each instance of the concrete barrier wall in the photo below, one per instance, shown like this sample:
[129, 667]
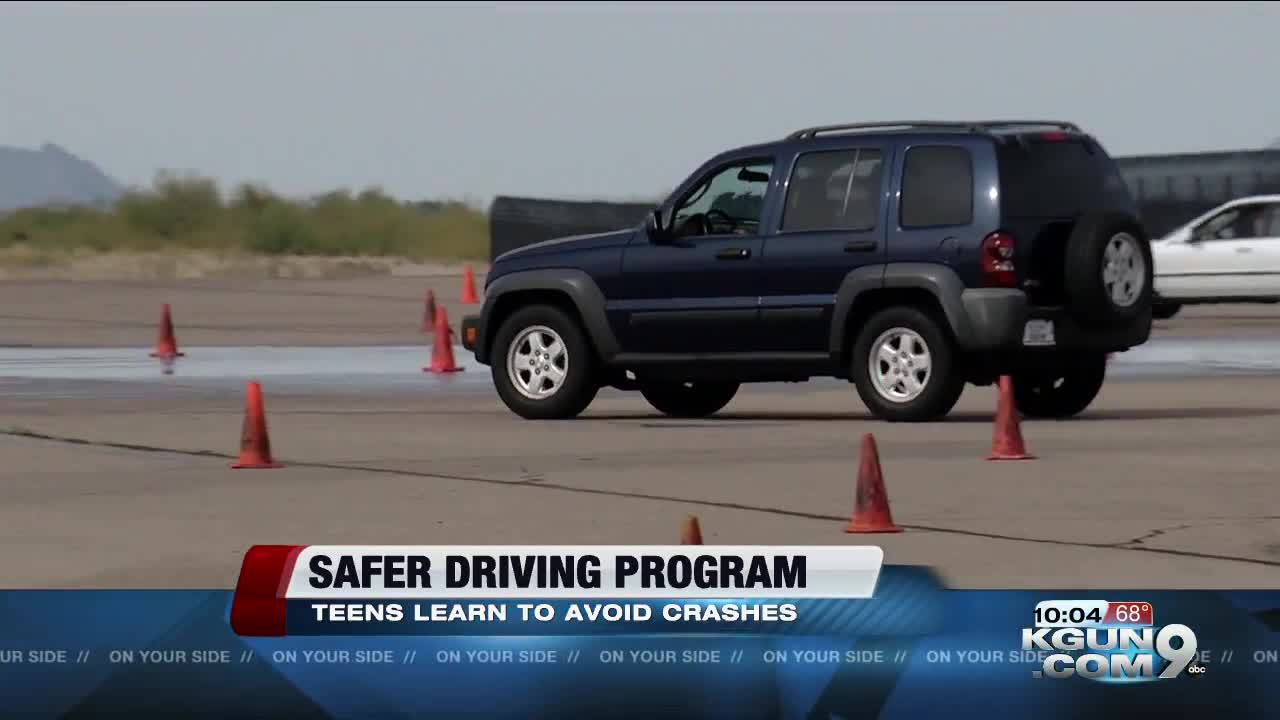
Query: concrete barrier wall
[1172, 189]
[515, 221]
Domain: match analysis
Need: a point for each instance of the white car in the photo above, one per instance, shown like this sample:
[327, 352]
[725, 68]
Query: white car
[1230, 254]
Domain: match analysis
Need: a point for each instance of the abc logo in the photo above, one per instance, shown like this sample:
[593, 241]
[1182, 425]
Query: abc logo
[1196, 669]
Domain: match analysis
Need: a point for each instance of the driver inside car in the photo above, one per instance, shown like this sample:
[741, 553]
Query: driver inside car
[732, 211]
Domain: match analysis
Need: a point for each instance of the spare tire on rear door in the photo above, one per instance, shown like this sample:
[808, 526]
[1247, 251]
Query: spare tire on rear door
[1108, 269]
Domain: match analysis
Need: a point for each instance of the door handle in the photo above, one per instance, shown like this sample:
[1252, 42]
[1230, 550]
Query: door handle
[1244, 250]
[860, 246]
[733, 254]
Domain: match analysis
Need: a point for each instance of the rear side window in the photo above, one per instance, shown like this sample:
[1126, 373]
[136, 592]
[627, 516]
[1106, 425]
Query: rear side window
[937, 187]
[835, 190]
[1041, 178]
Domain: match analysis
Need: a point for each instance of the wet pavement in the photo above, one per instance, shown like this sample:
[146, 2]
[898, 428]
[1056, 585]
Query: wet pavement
[342, 370]
[318, 370]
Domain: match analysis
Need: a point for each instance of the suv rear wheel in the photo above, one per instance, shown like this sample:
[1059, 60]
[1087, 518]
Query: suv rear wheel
[689, 399]
[1063, 391]
[544, 368]
[905, 366]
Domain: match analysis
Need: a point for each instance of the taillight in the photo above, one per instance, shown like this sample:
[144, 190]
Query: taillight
[997, 260]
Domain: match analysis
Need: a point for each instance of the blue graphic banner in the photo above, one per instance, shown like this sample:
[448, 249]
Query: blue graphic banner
[915, 650]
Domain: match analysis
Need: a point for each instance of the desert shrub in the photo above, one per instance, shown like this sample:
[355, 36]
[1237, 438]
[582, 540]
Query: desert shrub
[189, 212]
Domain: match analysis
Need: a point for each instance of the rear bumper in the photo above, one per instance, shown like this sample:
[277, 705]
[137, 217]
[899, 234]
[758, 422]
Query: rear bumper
[996, 320]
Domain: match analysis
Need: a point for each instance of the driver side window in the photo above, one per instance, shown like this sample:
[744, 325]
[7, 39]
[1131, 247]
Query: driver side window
[728, 202]
[1216, 226]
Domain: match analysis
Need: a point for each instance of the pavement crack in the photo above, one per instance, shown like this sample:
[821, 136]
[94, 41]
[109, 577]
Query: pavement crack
[1123, 545]
[1208, 522]
[34, 435]
[1163, 531]
[1135, 545]
[527, 477]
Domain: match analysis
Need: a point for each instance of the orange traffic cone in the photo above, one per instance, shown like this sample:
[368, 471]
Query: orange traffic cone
[1006, 440]
[442, 347]
[166, 343]
[871, 502]
[429, 313]
[690, 532]
[255, 446]
[468, 287]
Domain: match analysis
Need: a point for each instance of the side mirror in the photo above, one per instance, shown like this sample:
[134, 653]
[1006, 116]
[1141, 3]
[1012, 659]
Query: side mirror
[1199, 236]
[655, 227]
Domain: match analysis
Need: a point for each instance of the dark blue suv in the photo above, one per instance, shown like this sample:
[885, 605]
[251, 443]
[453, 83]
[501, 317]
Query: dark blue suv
[909, 258]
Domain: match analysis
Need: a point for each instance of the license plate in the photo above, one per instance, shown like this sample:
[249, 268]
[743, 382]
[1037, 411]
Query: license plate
[1038, 332]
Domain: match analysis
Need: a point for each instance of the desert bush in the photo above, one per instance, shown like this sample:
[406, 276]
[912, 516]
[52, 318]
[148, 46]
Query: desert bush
[189, 212]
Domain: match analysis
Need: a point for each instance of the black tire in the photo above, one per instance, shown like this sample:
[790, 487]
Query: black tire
[1164, 310]
[942, 385]
[689, 399]
[1060, 392]
[1084, 264]
[579, 386]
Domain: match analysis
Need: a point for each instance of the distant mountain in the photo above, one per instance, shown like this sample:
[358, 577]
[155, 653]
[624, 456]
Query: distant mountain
[52, 176]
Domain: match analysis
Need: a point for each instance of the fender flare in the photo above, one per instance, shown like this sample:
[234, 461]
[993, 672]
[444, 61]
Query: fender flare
[940, 281]
[578, 286]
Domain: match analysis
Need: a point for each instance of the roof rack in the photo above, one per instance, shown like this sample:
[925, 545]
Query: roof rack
[971, 126]
[1060, 124]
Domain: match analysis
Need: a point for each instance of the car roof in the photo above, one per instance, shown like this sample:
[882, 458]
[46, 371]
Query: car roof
[1251, 199]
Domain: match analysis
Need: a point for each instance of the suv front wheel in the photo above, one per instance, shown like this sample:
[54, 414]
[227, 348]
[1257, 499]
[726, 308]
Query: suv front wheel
[544, 368]
[905, 366]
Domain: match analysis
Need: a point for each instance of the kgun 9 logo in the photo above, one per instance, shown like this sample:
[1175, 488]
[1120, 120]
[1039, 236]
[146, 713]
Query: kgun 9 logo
[1114, 654]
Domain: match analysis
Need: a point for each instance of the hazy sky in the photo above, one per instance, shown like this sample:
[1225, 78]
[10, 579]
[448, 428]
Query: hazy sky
[605, 100]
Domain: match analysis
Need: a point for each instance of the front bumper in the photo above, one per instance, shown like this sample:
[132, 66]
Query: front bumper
[1002, 320]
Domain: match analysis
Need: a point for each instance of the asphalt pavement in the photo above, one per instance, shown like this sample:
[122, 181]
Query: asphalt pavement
[116, 473]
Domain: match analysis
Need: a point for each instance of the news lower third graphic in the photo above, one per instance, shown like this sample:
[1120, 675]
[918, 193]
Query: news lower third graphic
[331, 590]
[627, 631]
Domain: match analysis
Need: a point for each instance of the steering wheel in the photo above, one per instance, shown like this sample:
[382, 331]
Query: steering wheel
[707, 223]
